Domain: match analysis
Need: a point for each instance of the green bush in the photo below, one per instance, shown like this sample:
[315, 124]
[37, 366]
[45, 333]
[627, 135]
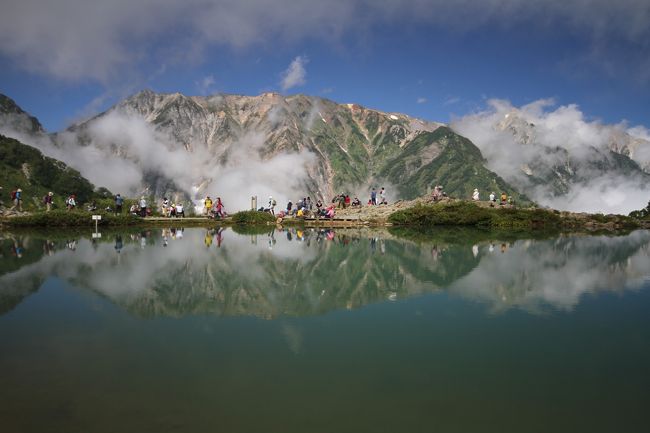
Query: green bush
[252, 217]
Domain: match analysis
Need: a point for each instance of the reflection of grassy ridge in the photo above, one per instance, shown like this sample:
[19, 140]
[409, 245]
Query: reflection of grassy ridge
[251, 229]
[252, 217]
[466, 235]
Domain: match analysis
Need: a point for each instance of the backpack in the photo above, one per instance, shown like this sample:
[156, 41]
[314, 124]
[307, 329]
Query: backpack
[274, 202]
[13, 195]
[45, 199]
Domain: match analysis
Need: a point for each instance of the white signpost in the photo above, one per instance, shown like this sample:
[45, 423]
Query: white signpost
[96, 218]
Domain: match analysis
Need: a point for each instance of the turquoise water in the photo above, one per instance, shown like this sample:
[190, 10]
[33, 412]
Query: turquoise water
[346, 331]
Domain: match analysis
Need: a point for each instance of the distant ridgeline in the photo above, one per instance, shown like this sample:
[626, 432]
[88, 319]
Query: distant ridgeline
[25, 167]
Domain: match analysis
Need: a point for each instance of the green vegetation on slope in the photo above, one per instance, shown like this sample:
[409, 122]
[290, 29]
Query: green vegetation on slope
[25, 167]
[459, 168]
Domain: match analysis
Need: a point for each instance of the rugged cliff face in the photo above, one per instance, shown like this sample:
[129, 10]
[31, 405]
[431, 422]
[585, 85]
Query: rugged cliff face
[351, 148]
[291, 146]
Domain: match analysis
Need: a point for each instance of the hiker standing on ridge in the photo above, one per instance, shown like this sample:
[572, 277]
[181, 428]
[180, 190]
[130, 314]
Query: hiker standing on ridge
[119, 201]
[373, 197]
[382, 196]
[17, 199]
[475, 195]
[272, 204]
[143, 207]
[48, 201]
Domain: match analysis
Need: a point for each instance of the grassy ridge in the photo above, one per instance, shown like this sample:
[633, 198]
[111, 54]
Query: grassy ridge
[77, 218]
[469, 214]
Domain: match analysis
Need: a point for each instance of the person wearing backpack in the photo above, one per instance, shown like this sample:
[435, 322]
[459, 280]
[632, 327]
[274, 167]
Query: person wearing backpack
[17, 199]
[119, 202]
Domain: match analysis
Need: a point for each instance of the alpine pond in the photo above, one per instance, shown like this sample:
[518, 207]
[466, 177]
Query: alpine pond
[290, 330]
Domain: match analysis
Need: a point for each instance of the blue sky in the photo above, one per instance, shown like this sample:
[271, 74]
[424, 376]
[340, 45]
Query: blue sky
[429, 58]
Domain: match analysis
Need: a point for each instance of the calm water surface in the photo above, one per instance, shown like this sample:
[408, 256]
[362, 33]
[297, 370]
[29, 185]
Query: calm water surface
[348, 331]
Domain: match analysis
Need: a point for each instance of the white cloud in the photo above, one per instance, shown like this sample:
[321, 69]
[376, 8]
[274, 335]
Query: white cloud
[421, 100]
[515, 138]
[295, 75]
[452, 100]
[100, 40]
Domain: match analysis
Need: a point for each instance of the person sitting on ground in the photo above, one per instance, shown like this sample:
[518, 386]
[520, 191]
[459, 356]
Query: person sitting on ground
[347, 201]
[180, 213]
[171, 210]
[493, 197]
[133, 210]
[289, 206]
[356, 202]
[319, 205]
[504, 198]
[330, 212]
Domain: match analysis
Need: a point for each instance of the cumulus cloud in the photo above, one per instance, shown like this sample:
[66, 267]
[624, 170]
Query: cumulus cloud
[541, 140]
[295, 75]
[81, 39]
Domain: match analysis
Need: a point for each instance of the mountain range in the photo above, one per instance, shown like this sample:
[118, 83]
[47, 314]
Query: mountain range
[290, 146]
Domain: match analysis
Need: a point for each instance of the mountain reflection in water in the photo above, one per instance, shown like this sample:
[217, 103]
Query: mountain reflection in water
[294, 272]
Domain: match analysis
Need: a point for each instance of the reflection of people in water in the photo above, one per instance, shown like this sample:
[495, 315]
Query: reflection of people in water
[503, 248]
[435, 252]
[48, 247]
[17, 249]
[475, 250]
[491, 249]
[219, 236]
[118, 243]
[208, 239]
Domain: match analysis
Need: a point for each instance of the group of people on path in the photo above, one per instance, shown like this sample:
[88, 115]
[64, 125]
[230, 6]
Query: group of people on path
[383, 198]
[504, 198]
[213, 209]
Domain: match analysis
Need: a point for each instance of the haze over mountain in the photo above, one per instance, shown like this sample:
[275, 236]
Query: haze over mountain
[239, 146]
[290, 146]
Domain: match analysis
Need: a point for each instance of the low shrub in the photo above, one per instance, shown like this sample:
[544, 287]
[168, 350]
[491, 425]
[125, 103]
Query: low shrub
[252, 217]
